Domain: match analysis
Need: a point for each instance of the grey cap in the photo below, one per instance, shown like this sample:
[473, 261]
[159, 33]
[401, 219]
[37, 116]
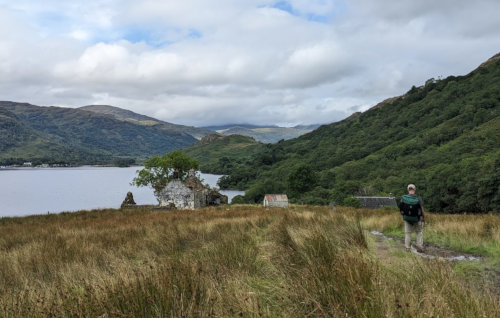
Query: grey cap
[412, 186]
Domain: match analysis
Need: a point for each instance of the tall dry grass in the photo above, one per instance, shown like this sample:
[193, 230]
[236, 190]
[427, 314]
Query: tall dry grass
[238, 261]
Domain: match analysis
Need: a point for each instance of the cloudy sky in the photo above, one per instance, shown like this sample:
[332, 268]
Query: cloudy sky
[200, 62]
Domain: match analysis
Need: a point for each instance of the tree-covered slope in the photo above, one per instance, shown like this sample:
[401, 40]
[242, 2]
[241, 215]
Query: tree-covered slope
[84, 132]
[220, 154]
[443, 136]
[19, 143]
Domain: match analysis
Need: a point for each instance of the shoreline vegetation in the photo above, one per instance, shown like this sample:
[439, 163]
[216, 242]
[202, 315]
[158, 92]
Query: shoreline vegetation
[243, 261]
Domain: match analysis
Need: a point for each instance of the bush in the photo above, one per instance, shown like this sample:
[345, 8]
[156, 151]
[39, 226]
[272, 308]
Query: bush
[239, 199]
[352, 202]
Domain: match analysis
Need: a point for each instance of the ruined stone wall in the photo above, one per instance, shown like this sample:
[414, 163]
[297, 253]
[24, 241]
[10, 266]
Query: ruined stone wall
[178, 194]
[200, 198]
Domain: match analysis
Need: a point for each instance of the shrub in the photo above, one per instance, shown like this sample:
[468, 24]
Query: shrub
[352, 202]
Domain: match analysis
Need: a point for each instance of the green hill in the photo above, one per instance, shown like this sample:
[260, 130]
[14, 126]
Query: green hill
[443, 136]
[129, 116]
[79, 136]
[220, 154]
[20, 143]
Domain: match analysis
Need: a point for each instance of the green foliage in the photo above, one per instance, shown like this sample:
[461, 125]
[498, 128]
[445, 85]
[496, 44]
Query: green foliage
[239, 178]
[239, 199]
[301, 179]
[316, 196]
[352, 202]
[123, 162]
[158, 171]
[256, 192]
[223, 154]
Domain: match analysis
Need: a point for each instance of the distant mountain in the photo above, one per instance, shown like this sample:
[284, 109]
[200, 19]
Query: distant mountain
[127, 115]
[249, 126]
[443, 136]
[307, 127]
[58, 134]
[19, 143]
[265, 134]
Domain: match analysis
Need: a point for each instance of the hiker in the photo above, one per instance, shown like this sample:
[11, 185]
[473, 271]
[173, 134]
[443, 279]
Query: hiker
[412, 209]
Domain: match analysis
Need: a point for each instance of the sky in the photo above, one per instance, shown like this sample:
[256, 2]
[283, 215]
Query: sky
[202, 63]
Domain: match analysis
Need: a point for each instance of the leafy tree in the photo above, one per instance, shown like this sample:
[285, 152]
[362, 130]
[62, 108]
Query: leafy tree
[317, 196]
[301, 179]
[239, 199]
[158, 171]
[256, 192]
[343, 189]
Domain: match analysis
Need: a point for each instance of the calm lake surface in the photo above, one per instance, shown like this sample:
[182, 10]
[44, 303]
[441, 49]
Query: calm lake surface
[28, 191]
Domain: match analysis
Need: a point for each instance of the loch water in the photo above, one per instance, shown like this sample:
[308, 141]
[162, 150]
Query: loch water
[29, 191]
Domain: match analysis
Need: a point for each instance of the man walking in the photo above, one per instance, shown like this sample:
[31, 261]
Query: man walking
[412, 209]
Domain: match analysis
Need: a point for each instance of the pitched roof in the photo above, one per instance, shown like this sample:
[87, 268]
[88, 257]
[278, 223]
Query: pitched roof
[376, 202]
[276, 198]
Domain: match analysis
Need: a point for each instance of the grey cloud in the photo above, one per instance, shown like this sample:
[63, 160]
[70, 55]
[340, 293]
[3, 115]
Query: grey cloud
[252, 63]
[445, 17]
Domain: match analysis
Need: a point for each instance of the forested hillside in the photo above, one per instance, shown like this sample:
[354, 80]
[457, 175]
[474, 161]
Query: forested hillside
[49, 134]
[19, 142]
[443, 136]
[220, 154]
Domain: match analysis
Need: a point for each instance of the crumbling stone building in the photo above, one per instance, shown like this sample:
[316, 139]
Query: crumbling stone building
[189, 194]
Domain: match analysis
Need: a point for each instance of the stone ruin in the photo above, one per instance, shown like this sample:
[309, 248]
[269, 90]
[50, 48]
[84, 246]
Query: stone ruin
[189, 194]
[129, 201]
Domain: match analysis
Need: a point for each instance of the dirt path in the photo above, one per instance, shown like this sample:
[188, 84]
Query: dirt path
[385, 247]
[431, 251]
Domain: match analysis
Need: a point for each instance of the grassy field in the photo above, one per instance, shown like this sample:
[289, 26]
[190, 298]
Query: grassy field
[239, 261]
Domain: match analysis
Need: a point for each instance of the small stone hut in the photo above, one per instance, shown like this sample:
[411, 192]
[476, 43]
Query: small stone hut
[189, 194]
[377, 202]
[276, 200]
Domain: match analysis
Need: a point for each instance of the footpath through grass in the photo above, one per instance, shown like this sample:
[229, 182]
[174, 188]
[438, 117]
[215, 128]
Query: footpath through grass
[243, 261]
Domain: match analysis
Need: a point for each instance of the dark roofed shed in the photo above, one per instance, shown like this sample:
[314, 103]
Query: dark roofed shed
[377, 202]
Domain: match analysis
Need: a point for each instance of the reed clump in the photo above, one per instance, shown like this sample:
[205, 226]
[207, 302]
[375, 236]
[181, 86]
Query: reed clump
[237, 261]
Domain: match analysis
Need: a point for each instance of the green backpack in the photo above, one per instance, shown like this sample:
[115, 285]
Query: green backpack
[410, 208]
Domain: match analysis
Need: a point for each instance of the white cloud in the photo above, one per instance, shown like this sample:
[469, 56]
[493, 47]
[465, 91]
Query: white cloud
[194, 62]
[81, 35]
[314, 65]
